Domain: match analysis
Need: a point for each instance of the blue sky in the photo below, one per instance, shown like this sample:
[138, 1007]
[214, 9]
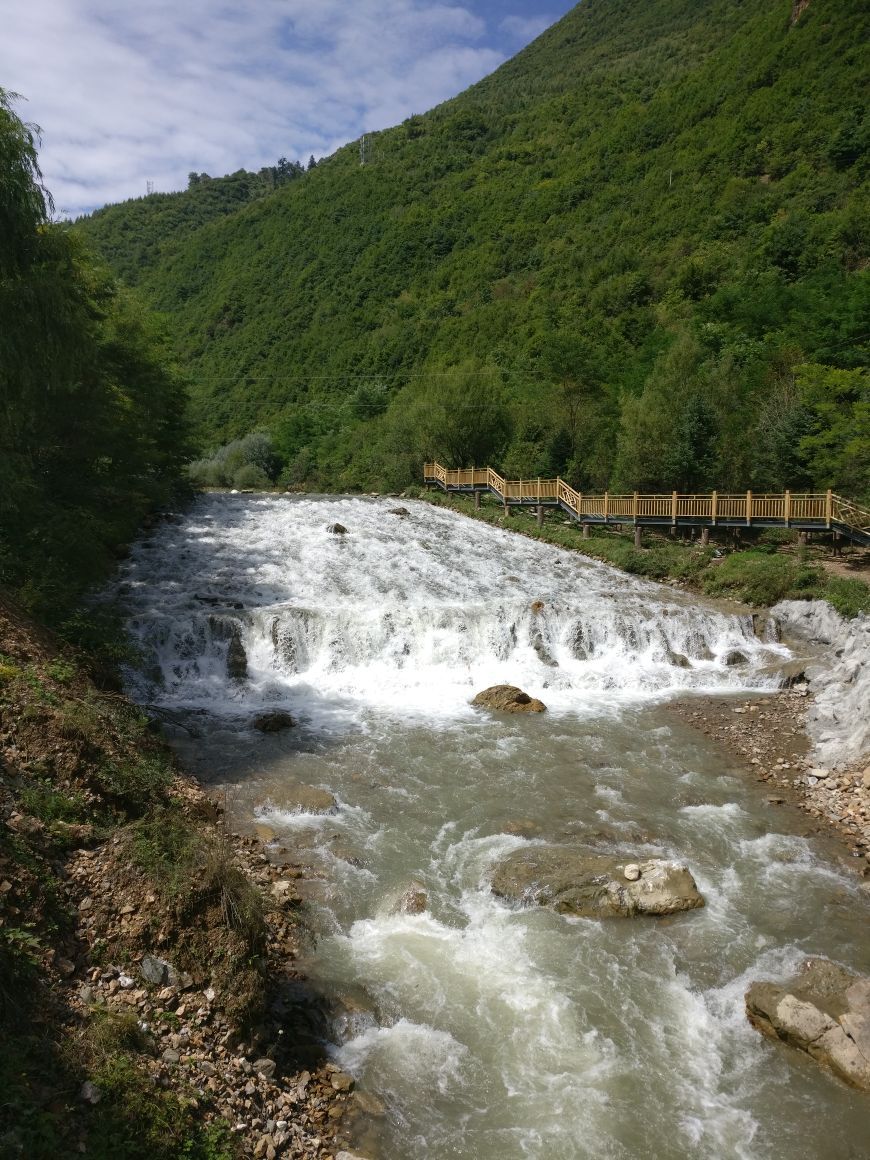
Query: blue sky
[148, 90]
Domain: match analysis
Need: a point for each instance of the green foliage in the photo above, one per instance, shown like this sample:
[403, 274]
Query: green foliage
[621, 244]
[138, 1120]
[837, 447]
[850, 597]
[251, 462]
[44, 801]
[763, 579]
[92, 432]
[135, 784]
[192, 868]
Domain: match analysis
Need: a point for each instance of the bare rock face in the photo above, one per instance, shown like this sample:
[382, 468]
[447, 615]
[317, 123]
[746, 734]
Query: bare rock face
[824, 1011]
[576, 882]
[508, 699]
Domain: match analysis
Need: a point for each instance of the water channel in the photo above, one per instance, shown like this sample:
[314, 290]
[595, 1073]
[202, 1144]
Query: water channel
[487, 1030]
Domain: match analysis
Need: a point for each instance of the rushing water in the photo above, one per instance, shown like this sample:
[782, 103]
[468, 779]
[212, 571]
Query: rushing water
[490, 1031]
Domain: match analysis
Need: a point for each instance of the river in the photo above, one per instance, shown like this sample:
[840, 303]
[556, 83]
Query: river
[490, 1031]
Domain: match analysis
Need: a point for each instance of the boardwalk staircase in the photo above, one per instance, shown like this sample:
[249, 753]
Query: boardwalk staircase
[803, 511]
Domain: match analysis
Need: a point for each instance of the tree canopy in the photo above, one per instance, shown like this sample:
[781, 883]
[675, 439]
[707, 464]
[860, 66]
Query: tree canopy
[93, 430]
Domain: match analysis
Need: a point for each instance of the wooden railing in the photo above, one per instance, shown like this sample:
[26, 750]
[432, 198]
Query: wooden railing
[791, 509]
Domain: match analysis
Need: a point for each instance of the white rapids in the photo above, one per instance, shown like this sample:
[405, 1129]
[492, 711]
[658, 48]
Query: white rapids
[493, 1032]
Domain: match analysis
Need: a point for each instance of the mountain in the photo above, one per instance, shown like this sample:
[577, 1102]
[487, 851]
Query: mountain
[636, 254]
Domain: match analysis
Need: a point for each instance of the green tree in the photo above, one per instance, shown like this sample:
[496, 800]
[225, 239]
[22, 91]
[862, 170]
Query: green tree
[837, 449]
[92, 431]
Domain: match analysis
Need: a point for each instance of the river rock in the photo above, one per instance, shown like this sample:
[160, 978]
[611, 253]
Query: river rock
[337, 529]
[237, 659]
[307, 799]
[414, 900]
[824, 1011]
[273, 721]
[399, 511]
[508, 699]
[734, 657]
[157, 971]
[577, 882]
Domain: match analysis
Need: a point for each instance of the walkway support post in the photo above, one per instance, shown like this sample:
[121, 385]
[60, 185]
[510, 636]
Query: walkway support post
[705, 535]
[637, 532]
[540, 515]
[586, 531]
[476, 500]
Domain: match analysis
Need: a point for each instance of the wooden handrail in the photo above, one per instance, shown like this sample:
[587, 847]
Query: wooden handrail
[787, 508]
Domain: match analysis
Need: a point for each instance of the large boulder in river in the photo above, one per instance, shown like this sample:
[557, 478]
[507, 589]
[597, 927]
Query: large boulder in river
[508, 699]
[337, 529]
[577, 882]
[272, 721]
[824, 1011]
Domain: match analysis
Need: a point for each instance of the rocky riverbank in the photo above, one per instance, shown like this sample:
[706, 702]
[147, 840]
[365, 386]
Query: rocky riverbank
[149, 998]
[768, 737]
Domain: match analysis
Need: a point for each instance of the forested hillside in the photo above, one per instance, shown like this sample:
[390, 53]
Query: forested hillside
[93, 430]
[635, 255]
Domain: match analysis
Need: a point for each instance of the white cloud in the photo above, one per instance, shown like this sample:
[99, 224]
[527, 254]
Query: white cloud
[127, 93]
[523, 28]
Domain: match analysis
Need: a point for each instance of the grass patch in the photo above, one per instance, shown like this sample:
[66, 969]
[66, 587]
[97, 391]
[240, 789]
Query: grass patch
[192, 869]
[760, 578]
[850, 597]
[41, 799]
[135, 784]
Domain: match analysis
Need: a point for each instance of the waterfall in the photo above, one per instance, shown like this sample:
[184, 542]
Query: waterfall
[413, 612]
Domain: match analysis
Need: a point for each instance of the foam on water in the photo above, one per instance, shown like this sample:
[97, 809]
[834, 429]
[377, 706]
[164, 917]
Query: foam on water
[415, 631]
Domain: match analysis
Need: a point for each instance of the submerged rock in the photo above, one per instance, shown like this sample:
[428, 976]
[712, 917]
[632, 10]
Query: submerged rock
[576, 882]
[307, 799]
[273, 721]
[414, 900]
[237, 658]
[824, 1011]
[508, 699]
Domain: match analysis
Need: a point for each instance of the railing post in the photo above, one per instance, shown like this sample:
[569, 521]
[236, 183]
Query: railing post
[786, 509]
[539, 491]
[829, 505]
[749, 507]
[714, 503]
[606, 504]
[674, 508]
[579, 503]
[634, 507]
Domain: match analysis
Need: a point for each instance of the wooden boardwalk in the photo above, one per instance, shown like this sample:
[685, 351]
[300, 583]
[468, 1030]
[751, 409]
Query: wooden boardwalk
[803, 511]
